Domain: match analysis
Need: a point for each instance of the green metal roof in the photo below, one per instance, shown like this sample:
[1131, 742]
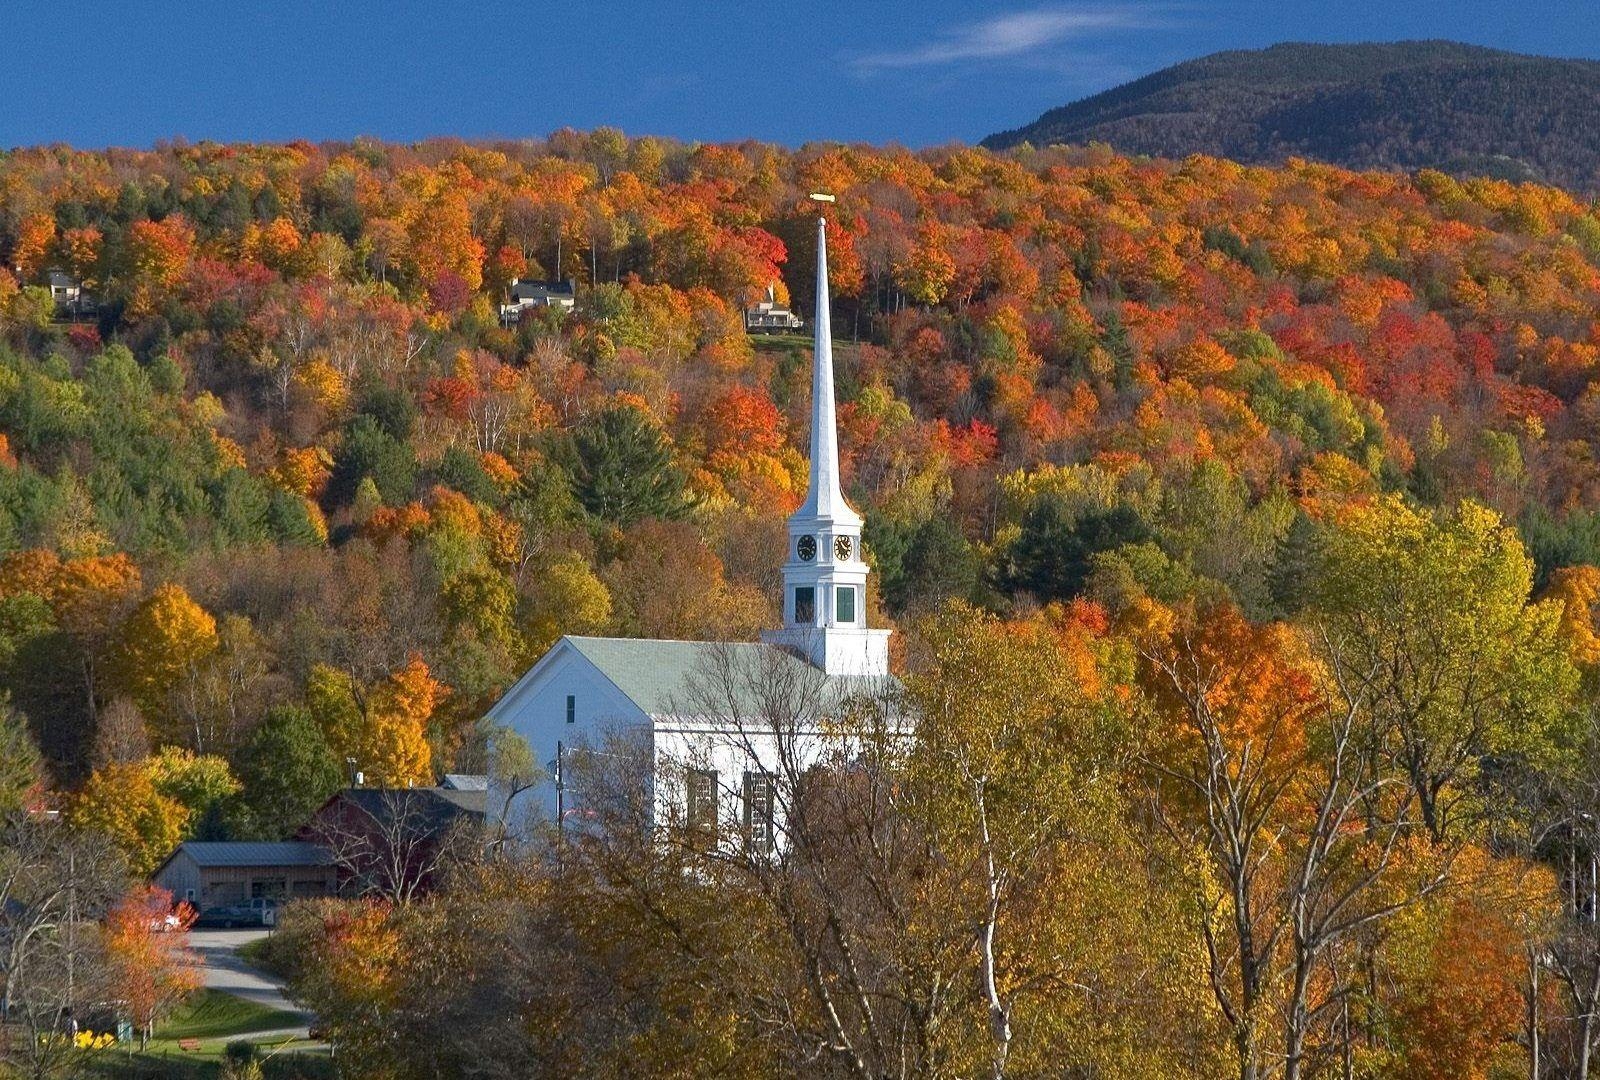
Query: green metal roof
[661, 677]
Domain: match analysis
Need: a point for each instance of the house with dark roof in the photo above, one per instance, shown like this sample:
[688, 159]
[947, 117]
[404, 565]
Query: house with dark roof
[209, 875]
[434, 808]
[337, 851]
[711, 724]
[537, 294]
[390, 841]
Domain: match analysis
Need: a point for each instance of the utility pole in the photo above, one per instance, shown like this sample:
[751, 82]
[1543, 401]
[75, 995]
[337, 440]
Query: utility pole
[1349, 1051]
[1534, 960]
[72, 924]
[561, 809]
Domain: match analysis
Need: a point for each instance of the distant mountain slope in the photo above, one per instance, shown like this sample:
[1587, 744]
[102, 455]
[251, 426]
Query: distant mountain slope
[1406, 105]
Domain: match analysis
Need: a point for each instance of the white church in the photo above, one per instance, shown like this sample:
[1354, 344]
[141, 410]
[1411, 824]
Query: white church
[716, 724]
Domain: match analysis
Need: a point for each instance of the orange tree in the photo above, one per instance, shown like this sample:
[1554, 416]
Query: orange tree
[1298, 836]
[152, 966]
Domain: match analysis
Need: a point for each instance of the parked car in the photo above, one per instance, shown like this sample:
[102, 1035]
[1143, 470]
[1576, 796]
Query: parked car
[260, 911]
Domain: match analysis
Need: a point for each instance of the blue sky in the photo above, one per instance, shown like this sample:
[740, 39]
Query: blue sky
[95, 73]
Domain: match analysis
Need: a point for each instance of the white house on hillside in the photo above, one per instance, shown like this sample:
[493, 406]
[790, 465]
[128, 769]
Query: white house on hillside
[714, 723]
[537, 294]
[770, 317]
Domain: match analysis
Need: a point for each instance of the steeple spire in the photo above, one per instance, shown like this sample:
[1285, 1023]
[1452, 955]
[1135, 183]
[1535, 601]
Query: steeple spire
[825, 499]
[825, 574]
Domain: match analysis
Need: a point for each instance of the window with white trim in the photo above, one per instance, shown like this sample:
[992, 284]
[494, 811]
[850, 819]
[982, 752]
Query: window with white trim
[700, 809]
[759, 821]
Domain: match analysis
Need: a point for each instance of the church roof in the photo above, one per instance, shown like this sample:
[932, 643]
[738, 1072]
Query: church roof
[657, 675]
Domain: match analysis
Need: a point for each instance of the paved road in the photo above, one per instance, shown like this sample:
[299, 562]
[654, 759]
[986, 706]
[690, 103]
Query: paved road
[225, 971]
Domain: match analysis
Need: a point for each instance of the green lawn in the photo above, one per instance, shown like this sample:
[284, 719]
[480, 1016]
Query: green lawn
[215, 1019]
[254, 952]
[166, 1064]
[771, 342]
[211, 1014]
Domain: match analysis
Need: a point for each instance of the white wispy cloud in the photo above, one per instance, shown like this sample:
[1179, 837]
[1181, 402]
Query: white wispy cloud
[1009, 36]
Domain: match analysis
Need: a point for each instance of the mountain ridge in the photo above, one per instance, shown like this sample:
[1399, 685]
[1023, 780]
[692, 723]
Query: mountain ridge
[1398, 105]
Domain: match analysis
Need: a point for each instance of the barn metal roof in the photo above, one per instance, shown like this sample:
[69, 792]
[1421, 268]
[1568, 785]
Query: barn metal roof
[254, 853]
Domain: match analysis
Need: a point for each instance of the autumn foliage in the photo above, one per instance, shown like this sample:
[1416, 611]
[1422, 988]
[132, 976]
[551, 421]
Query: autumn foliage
[1180, 458]
[153, 967]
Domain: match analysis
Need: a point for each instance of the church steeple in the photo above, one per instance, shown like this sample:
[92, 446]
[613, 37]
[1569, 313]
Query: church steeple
[824, 499]
[825, 574]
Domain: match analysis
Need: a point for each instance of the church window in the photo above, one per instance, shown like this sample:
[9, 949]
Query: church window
[844, 605]
[758, 811]
[701, 810]
[805, 604]
[572, 709]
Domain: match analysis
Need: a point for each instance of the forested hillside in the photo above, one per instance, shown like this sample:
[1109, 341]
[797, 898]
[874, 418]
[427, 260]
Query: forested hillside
[294, 449]
[1405, 105]
[1159, 460]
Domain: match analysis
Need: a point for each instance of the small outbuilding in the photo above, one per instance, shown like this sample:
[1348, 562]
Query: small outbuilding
[208, 874]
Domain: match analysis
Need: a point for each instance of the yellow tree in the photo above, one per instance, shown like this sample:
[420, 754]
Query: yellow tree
[82, 250]
[90, 595]
[1577, 589]
[1428, 617]
[160, 642]
[383, 728]
[928, 269]
[1016, 783]
[121, 801]
[567, 599]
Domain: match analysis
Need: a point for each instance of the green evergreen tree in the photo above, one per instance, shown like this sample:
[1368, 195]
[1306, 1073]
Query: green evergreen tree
[287, 770]
[939, 565]
[370, 451]
[19, 759]
[1292, 577]
[1052, 558]
[623, 468]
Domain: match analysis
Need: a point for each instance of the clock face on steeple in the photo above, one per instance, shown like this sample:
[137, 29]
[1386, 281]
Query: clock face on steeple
[842, 547]
[806, 548]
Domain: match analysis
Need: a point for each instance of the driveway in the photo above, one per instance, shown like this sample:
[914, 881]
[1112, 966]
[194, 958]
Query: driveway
[225, 971]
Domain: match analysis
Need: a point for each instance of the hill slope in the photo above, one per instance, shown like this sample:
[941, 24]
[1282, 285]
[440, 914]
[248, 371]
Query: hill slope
[1410, 105]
